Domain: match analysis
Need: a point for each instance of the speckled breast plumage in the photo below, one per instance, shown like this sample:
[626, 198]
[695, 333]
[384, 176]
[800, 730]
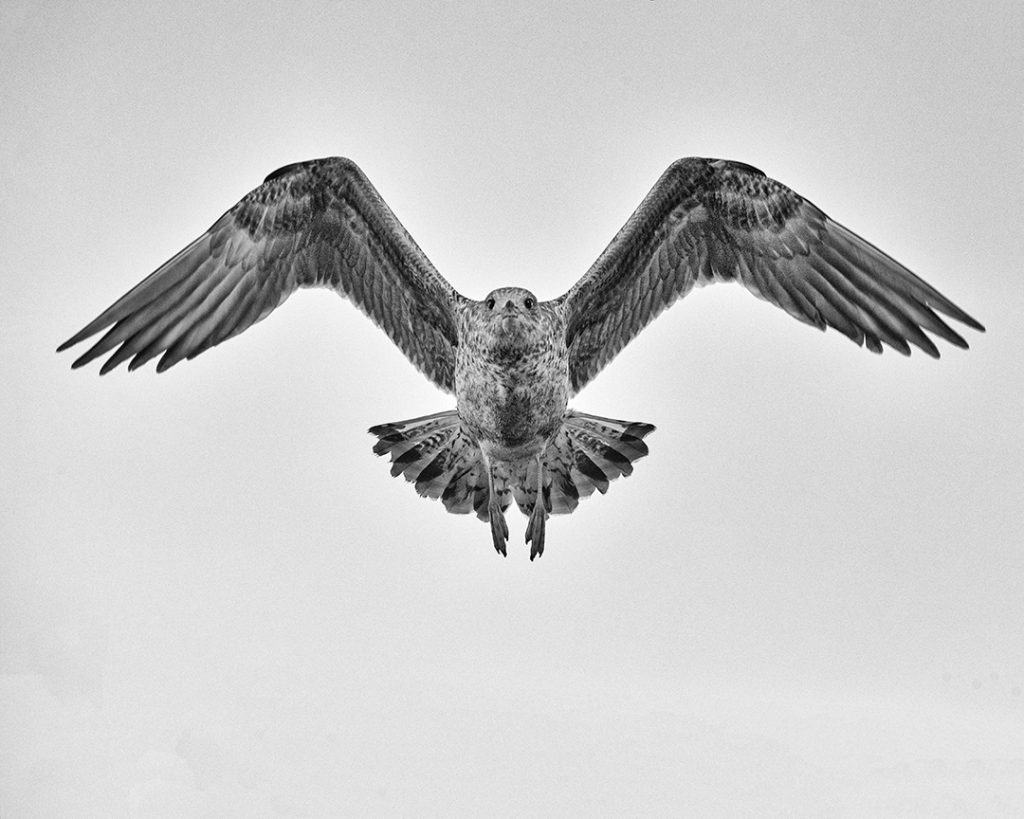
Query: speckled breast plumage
[512, 380]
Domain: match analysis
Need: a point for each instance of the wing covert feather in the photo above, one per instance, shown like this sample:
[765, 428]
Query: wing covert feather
[311, 224]
[708, 220]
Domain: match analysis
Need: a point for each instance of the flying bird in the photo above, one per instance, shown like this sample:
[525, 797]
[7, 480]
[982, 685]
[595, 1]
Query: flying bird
[512, 360]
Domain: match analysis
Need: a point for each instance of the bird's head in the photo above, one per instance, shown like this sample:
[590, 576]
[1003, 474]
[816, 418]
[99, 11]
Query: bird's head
[513, 317]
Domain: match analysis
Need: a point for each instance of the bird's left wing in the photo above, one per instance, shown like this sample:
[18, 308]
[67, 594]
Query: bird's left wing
[709, 220]
[312, 224]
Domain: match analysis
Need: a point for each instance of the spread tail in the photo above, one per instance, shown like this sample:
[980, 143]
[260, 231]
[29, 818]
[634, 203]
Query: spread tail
[438, 455]
[587, 454]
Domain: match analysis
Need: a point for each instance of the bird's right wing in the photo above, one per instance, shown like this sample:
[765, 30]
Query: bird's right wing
[316, 223]
[709, 220]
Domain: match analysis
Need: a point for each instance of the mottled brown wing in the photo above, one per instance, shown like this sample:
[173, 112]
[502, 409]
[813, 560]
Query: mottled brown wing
[711, 220]
[312, 224]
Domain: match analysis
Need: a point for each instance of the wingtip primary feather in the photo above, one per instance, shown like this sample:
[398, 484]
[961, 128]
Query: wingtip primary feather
[950, 309]
[928, 349]
[84, 358]
[91, 329]
[972, 322]
[110, 364]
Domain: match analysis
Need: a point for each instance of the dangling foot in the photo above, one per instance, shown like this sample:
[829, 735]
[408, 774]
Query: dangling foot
[535, 528]
[499, 528]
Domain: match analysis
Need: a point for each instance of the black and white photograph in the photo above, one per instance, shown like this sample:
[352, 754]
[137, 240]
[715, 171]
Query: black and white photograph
[515, 409]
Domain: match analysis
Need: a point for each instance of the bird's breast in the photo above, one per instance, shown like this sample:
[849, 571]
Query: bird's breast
[512, 397]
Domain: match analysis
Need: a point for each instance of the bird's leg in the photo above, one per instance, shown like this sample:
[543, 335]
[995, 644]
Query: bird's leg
[535, 528]
[499, 528]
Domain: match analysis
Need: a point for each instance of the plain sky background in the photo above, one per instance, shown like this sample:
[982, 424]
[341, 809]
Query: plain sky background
[215, 601]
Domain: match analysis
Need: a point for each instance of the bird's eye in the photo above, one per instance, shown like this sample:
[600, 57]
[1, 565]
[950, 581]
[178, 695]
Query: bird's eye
[528, 303]
[490, 304]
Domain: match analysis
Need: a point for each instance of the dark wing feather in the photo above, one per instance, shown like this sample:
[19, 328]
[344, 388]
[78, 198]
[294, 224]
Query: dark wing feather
[312, 224]
[711, 220]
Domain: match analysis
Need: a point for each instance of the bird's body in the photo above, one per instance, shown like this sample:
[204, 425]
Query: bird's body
[512, 389]
[511, 373]
[512, 435]
[512, 361]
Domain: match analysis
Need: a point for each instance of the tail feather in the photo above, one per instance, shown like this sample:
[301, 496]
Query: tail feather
[404, 434]
[443, 460]
[588, 453]
[438, 455]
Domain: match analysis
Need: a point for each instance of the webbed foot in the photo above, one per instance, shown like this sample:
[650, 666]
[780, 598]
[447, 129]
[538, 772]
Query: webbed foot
[535, 528]
[499, 528]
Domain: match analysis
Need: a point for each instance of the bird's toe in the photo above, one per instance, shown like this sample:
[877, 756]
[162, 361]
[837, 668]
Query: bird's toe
[535, 532]
[499, 531]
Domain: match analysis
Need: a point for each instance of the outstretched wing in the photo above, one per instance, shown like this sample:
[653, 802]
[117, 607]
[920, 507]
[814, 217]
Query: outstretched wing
[711, 220]
[312, 224]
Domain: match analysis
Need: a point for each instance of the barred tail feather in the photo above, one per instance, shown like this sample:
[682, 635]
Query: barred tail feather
[588, 453]
[440, 457]
[437, 454]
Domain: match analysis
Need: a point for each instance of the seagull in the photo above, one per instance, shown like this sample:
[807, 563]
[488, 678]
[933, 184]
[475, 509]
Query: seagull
[512, 360]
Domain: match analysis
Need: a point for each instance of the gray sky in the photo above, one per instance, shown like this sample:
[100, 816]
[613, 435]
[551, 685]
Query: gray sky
[215, 600]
